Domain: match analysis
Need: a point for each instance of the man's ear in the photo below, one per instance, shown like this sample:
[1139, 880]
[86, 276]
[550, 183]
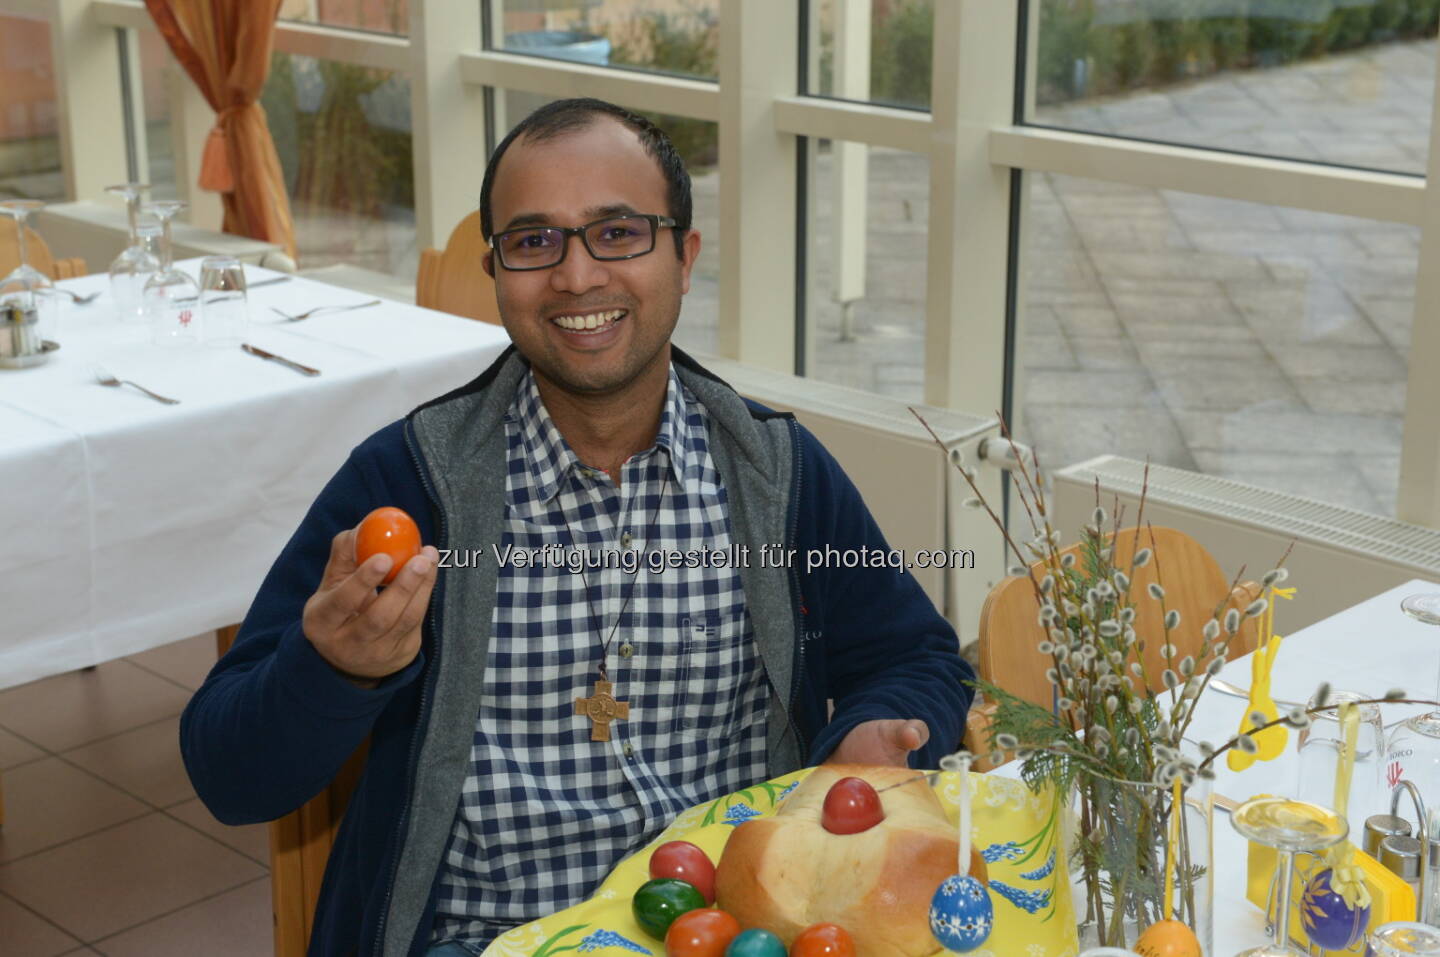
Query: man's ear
[692, 252]
[487, 262]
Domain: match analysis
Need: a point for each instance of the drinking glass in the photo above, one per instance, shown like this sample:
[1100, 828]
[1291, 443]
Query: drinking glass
[1288, 826]
[26, 286]
[171, 297]
[135, 264]
[222, 300]
[1319, 747]
[1403, 937]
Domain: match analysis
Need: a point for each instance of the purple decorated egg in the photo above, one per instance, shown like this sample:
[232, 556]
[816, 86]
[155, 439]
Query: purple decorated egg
[1327, 919]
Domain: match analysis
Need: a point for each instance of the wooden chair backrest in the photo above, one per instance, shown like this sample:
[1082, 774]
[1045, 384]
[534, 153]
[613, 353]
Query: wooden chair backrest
[454, 280]
[37, 253]
[1010, 631]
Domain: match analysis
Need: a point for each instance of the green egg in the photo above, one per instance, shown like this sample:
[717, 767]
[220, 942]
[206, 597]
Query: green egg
[657, 903]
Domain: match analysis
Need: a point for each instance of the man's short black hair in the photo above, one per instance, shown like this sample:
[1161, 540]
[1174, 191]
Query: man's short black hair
[569, 116]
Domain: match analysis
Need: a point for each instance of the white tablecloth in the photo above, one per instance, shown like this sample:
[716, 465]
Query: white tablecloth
[1371, 647]
[128, 524]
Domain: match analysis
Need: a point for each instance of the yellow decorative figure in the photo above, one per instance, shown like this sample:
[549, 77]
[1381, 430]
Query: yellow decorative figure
[1272, 740]
[1168, 938]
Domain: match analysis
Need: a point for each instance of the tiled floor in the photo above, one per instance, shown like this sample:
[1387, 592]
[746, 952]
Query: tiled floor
[105, 848]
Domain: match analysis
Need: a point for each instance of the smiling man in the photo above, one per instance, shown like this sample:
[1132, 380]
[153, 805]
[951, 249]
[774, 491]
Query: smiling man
[532, 722]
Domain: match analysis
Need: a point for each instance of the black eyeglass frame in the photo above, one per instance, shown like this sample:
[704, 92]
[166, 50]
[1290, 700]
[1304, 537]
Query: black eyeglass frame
[657, 223]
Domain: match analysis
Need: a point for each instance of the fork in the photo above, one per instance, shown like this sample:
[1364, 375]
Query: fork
[318, 309]
[78, 299]
[105, 377]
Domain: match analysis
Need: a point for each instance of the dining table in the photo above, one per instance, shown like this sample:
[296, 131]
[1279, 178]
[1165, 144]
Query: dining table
[1371, 648]
[127, 522]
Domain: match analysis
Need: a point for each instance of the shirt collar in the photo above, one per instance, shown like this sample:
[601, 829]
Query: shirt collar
[550, 460]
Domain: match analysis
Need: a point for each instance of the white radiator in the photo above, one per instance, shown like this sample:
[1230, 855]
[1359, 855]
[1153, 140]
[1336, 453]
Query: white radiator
[905, 479]
[1341, 556]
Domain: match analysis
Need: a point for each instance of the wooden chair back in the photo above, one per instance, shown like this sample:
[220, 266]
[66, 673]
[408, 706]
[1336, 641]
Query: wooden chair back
[37, 253]
[454, 280]
[300, 844]
[1010, 631]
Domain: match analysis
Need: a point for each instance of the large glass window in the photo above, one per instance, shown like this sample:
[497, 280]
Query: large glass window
[29, 137]
[1247, 341]
[379, 16]
[681, 37]
[697, 141]
[155, 96]
[344, 138]
[873, 51]
[865, 251]
[1348, 83]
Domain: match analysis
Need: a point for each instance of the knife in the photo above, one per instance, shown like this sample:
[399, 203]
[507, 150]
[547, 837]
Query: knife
[261, 353]
[267, 282]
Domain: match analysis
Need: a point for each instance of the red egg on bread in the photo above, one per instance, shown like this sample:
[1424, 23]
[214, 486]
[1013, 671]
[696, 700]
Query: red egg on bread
[788, 872]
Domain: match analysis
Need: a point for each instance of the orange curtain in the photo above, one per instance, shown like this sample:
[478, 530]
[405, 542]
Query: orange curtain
[224, 45]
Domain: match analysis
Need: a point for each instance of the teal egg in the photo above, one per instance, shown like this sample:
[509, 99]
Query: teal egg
[755, 943]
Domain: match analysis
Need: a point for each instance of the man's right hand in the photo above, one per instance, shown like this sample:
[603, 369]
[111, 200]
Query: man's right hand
[363, 634]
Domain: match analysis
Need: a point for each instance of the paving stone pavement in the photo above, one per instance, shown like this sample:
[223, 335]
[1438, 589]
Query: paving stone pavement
[1248, 341]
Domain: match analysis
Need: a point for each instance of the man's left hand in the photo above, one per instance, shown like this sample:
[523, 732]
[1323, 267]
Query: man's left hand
[885, 741]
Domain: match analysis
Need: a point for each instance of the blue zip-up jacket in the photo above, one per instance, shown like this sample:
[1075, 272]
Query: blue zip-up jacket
[273, 722]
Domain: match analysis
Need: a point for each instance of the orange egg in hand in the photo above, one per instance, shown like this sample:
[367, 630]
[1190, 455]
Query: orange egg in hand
[388, 531]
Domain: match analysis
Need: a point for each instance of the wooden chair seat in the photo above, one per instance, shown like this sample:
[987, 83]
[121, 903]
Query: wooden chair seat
[1010, 631]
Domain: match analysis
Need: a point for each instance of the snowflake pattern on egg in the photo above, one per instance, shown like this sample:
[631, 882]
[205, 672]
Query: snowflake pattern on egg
[961, 915]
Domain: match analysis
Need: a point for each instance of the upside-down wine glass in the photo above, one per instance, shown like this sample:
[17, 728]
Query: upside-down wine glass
[1288, 826]
[25, 282]
[171, 297]
[1414, 748]
[136, 264]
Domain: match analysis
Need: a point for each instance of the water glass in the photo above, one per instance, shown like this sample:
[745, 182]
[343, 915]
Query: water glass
[223, 307]
[1404, 937]
[1319, 747]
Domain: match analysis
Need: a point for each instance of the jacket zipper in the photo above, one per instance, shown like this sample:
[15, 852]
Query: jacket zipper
[433, 612]
[796, 594]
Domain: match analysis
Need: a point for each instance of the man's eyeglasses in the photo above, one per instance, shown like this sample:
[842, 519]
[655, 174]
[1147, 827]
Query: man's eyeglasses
[539, 247]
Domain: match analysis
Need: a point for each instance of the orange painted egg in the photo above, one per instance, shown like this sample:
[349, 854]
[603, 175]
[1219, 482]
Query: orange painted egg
[1168, 938]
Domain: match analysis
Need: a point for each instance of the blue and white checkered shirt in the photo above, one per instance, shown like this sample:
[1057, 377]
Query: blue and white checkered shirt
[546, 813]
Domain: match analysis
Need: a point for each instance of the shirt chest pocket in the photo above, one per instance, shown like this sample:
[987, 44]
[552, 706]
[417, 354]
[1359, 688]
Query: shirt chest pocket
[716, 659]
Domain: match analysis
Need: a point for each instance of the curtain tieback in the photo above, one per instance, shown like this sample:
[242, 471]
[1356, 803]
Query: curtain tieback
[216, 173]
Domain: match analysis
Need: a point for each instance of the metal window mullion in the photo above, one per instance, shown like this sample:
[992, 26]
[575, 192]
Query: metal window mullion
[900, 129]
[972, 91]
[676, 96]
[447, 117]
[758, 44]
[89, 101]
[1418, 500]
[1388, 197]
[356, 47]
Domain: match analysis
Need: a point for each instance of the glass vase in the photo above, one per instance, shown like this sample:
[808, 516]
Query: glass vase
[1118, 861]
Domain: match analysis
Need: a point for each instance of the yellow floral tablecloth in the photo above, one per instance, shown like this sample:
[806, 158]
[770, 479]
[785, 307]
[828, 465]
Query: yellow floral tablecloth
[1015, 830]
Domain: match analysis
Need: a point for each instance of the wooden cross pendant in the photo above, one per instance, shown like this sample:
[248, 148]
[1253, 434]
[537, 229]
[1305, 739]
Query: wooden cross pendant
[601, 708]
